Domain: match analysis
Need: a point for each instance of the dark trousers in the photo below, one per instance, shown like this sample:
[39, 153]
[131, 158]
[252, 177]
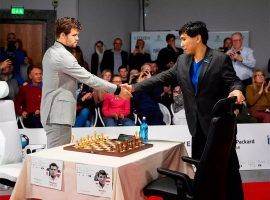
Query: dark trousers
[234, 188]
[32, 121]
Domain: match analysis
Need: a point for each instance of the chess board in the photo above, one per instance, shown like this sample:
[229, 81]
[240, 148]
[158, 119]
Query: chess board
[101, 144]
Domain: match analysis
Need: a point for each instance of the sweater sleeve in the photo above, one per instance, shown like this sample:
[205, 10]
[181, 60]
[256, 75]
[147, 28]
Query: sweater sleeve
[252, 95]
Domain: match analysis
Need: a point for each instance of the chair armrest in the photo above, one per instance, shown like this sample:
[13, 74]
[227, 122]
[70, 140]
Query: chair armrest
[190, 160]
[180, 178]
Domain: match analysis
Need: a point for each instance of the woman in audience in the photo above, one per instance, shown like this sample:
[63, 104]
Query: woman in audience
[97, 57]
[115, 110]
[78, 54]
[258, 97]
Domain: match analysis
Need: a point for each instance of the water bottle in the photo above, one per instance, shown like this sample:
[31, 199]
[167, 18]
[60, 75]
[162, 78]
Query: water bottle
[144, 130]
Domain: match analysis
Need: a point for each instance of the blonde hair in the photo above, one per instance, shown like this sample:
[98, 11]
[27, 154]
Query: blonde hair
[254, 84]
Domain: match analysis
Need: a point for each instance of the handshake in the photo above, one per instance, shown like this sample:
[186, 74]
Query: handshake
[126, 91]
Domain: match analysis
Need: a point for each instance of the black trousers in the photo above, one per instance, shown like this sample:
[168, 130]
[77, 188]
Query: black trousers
[234, 182]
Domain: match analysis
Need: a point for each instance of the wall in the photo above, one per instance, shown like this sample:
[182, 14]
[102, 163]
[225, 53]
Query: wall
[219, 15]
[105, 20]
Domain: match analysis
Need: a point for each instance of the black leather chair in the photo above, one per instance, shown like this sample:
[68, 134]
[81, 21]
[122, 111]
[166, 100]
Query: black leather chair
[210, 176]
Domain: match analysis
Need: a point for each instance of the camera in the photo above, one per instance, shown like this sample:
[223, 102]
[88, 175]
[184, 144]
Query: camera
[137, 47]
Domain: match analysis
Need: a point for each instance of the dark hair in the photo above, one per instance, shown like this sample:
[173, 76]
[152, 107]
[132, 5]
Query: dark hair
[169, 36]
[99, 42]
[227, 38]
[65, 24]
[192, 29]
[122, 67]
[53, 165]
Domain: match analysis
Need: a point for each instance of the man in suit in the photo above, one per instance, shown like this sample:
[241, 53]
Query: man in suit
[205, 76]
[60, 74]
[114, 58]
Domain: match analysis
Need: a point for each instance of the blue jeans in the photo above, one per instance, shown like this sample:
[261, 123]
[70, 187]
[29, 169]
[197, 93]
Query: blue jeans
[83, 118]
[113, 122]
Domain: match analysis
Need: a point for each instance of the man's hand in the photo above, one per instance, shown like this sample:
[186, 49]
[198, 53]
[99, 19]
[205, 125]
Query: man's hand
[239, 95]
[127, 87]
[5, 63]
[125, 94]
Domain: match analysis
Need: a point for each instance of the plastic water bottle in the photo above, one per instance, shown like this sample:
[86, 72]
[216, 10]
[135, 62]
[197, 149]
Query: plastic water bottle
[144, 130]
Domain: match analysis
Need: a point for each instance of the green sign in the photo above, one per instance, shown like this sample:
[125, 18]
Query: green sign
[17, 11]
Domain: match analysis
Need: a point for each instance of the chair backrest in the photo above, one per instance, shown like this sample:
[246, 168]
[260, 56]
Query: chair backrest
[10, 141]
[166, 114]
[210, 177]
[178, 118]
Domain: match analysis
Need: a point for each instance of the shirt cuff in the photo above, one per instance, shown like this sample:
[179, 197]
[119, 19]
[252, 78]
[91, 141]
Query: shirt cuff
[118, 90]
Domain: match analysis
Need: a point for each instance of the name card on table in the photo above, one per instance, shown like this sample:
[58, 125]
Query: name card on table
[46, 172]
[94, 180]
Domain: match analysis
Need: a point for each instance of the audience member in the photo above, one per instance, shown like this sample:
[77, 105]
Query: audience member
[6, 75]
[78, 54]
[24, 67]
[85, 107]
[258, 97]
[114, 58]
[178, 112]
[138, 56]
[13, 52]
[123, 73]
[96, 58]
[27, 102]
[168, 55]
[242, 58]
[115, 110]
[146, 103]
[227, 45]
[133, 76]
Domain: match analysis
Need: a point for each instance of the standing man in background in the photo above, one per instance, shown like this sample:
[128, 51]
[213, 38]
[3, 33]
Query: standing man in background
[60, 74]
[205, 76]
[168, 55]
[242, 58]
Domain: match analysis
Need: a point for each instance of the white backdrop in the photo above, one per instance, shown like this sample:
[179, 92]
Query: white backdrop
[156, 40]
[253, 140]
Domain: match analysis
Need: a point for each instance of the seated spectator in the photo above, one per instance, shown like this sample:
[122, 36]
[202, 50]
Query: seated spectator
[27, 102]
[99, 94]
[258, 97]
[85, 107]
[123, 73]
[227, 44]
[138, 56]
[6, 75]
[115, 110]
[146, 103]
[97, 57]
[166, 96]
